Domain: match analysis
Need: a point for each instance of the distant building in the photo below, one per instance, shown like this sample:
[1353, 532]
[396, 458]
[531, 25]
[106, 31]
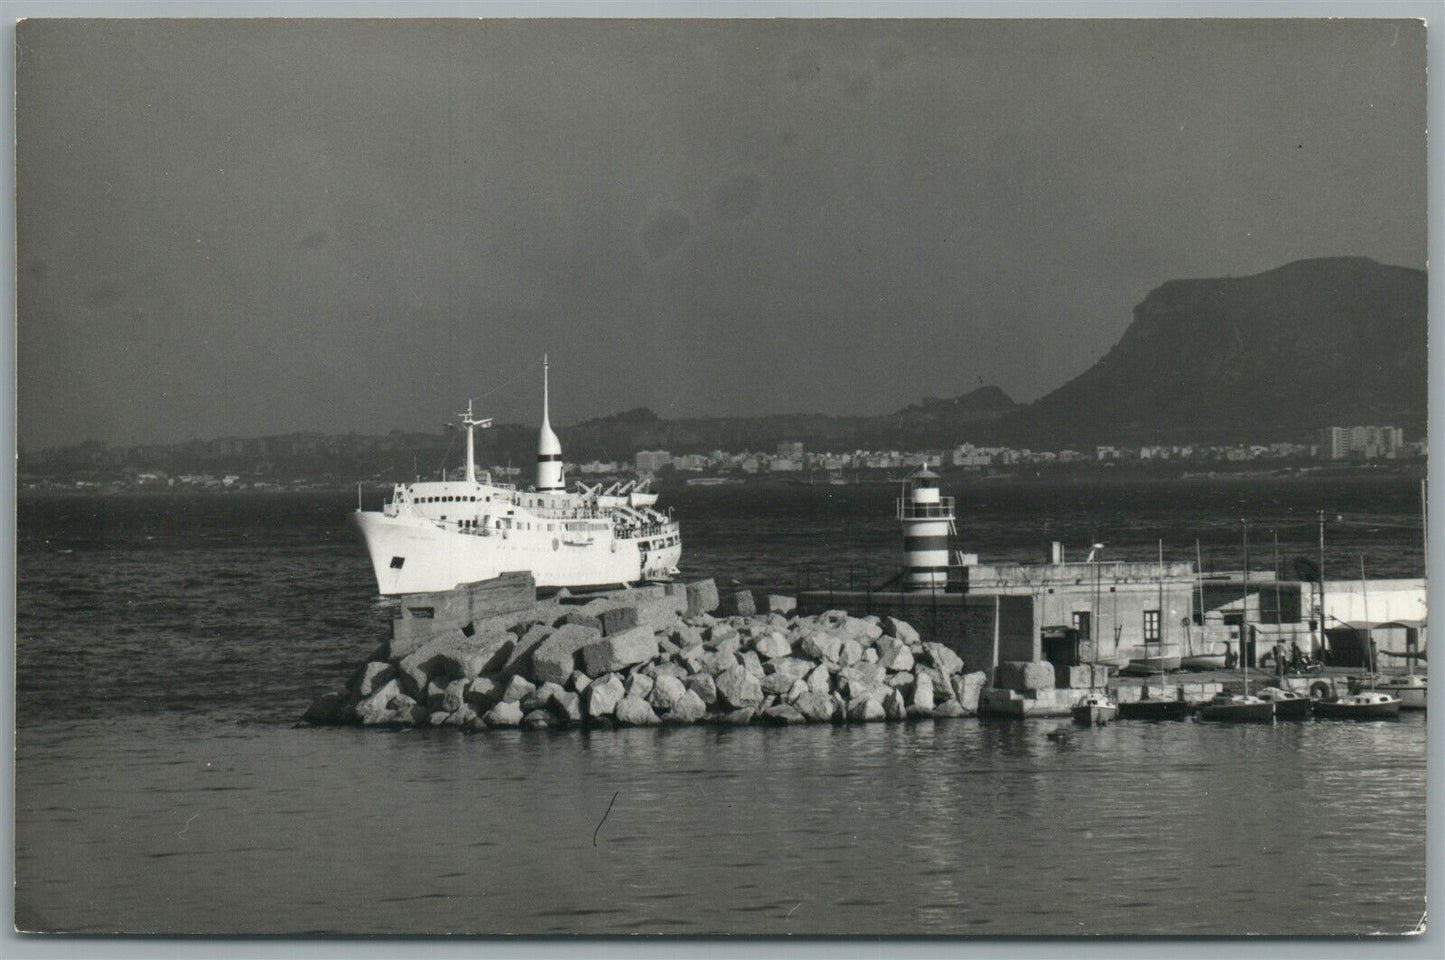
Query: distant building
[651, 461]
[790, 450]
[785, 465]
[1361, 443]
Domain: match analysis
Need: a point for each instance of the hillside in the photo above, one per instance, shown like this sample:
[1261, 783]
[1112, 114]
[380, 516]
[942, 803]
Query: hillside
[931, 423]
[1270, 356]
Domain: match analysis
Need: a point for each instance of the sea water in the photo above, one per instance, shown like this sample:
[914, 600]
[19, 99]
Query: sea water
[167, 644]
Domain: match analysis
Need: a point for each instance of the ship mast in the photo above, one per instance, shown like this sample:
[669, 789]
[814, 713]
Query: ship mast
[468, 421]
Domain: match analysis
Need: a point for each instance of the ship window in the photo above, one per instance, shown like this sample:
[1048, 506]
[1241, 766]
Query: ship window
[398, 562]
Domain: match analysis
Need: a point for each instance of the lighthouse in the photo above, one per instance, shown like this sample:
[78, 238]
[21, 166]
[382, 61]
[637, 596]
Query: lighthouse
[549, 448]
[928, 525]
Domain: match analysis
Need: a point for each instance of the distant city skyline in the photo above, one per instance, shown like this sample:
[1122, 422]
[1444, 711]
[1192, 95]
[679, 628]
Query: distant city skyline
[248, 228]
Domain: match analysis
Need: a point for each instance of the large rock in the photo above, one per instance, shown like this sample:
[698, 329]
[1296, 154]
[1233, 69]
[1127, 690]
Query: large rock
[578, 681]
[640, 685]
[783, 713]
[815, 707]
[619, 651]
[922, 692]
[894, 655]
[798, 688]
[666, 692]
[819, 679]
[900, 629]
[701, 597]
[689, 708]
[504, 714]
[865, 710]
[822, 645]
[520, 660]
[484, 693]
[567, 706]
[518, 689]
[949, 708]
[455, 696]
[716, 663]
[694, 658]
[893, 706]
[850, 653]
[538, 720]
[773, 645]
[943, 658]
[967, 689]
[752, 664]
[556, 657]
[704, 686]
[1023, 675]
[372, 709]
[794, 668]
[781, 604]
[686, 636]
[634, 712]
[602, 695]
[739, 689]
[777, 684]
[372, 676]
[325, 710]
[736, 718]
[581, 619]
[618, 620]
[866, 629]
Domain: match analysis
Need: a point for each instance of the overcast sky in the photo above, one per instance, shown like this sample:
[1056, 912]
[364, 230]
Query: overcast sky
[247, 228]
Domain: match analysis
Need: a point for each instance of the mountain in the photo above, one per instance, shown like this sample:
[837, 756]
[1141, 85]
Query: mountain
[1337, 341]
[932, 423]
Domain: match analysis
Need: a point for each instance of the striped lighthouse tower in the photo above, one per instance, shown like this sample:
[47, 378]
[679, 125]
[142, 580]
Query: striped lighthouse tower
[549, 448]
[927, 520]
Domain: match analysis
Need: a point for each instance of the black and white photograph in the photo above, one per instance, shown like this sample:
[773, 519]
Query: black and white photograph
[698, 477]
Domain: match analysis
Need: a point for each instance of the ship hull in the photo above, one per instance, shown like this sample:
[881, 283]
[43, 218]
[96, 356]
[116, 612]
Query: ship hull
[411, 555]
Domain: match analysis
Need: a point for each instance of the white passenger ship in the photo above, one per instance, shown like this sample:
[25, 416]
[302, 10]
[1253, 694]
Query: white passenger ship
[432, 536]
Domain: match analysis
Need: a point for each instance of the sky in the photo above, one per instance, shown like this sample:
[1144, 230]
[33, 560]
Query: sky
[244, 228]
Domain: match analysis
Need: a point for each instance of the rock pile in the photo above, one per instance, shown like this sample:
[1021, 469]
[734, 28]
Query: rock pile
[657, 655]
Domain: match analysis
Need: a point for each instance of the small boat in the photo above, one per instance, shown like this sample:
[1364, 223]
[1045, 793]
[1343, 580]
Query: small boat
[1203, 661]
[1147, 666]
[1094, 709]
[1154, 710]
[1288, 705]
[1372, 705]
[1233, 708]
[1412, 690]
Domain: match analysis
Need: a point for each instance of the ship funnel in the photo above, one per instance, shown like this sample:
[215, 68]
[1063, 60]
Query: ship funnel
[549, 448]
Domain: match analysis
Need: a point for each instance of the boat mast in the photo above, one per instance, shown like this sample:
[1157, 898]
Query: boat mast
[1324, 637]
[1244, 611]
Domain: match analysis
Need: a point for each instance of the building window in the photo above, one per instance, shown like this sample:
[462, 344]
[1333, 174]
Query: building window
[1083, 625]
[1151, 626]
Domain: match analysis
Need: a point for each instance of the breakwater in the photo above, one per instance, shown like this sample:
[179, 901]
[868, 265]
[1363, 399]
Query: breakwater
[480, 658]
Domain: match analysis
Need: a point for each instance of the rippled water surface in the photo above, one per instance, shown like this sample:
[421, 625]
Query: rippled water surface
[166, 645]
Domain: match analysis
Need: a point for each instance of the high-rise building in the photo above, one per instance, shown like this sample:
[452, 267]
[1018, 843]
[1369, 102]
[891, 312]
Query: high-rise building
[1361, 443]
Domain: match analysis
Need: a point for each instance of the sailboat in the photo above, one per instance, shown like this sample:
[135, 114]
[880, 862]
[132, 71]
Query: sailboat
[1192, 660]
[1369, 704]
[1413, 688]
[1240, 708]
[1149, 709]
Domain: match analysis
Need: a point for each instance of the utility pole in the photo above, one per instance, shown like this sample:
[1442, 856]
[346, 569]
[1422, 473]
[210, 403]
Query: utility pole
[1324, 637]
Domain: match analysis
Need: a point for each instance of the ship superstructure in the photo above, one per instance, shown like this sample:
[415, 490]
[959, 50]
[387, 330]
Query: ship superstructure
[431, 536]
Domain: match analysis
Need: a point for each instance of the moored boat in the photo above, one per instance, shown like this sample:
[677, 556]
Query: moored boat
[1412, 689]
[1371, 705]
[1154, 710]
[1095, 709]
[1203, 661]
[1234, 708]
[1288, 705]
